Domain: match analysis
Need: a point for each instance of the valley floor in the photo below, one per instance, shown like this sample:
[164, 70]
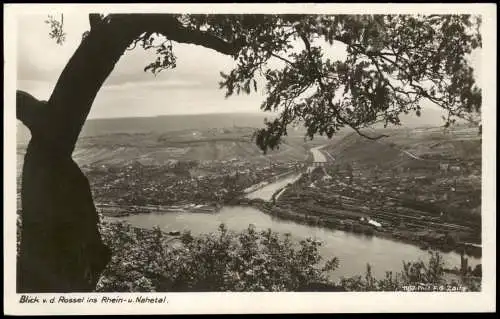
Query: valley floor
[419, 186]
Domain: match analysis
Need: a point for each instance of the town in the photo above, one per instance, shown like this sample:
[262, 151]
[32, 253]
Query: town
[433, 200]
[377, 203]
[179, 182]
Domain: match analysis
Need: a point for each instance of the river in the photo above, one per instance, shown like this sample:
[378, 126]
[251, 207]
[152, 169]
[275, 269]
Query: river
[353, 250]
[266, 192]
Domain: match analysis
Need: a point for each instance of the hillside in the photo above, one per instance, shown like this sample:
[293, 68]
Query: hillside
[189, 144]
[155, 140]
[405, 147]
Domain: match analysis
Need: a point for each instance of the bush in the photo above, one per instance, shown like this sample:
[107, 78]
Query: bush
[223, 261]
[426, 276]
[478, 272]
[145, 260]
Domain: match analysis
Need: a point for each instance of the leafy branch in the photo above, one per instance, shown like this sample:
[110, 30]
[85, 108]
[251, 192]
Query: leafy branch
[56, 29]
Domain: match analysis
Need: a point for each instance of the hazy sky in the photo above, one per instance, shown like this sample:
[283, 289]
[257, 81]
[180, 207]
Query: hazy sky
[190, 88]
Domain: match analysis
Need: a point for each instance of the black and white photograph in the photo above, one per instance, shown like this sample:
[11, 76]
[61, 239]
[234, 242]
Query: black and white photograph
[317, 150]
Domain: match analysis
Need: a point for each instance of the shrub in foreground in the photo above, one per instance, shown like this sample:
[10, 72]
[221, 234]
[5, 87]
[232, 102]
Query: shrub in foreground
[149, 260]
[223, 261]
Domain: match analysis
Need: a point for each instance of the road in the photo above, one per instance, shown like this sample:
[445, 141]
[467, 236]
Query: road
[317, 154]
[411, 155]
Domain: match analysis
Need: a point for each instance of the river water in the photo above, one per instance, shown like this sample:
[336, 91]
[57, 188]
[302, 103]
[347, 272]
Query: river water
[266, 192]
[353, 250]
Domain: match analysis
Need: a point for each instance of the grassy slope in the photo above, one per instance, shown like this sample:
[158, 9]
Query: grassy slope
[155, 140]
[431, 145]
[202, 145]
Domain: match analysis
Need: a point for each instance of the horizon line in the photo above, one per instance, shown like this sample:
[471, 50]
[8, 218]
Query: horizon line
[180, 114]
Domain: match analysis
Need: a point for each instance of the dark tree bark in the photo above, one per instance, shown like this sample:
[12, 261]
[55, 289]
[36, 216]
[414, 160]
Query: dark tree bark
[61, 249]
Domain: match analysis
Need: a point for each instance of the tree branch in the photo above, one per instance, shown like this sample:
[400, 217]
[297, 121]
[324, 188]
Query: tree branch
[373, 138]
[170, 27]
[94, 20]
[419, 90]
[283, 59]
[28, 109]
[332, 107]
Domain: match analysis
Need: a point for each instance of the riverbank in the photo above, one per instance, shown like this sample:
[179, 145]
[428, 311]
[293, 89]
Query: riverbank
[345, 221]
[110, 210]
[312, 215]
[333, 223]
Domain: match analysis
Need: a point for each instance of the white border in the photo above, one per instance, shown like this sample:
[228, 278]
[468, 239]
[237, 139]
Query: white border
[182, 303]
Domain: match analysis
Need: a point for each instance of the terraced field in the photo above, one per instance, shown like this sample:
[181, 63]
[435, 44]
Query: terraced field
[185, 145]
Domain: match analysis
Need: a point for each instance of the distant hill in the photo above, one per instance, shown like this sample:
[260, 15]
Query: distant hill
[153, 148]
[429, 117]
[162, 124]
[167, 123]
[154, 140]
[409, 146]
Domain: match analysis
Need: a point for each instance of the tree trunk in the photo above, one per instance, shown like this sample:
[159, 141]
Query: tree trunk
[61, 249]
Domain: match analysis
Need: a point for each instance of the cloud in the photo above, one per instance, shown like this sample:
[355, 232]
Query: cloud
[153, 85]
[161, 100]
[40, 58]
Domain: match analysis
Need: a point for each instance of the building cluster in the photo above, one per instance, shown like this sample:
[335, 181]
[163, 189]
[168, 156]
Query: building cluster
[179, 181]
[422, 205]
